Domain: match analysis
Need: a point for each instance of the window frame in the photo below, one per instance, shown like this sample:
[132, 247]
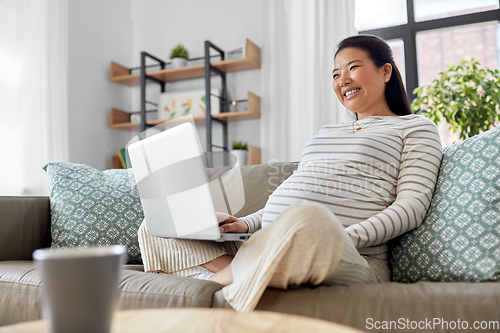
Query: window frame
[408, 33]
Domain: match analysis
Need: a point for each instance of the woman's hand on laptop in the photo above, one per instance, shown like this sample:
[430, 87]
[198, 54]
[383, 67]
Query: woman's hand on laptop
[229, 223]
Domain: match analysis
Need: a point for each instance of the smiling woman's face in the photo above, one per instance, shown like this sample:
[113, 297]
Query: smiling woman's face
[359, 84]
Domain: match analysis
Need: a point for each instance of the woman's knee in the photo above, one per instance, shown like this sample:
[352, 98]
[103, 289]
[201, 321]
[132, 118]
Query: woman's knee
[309, 217]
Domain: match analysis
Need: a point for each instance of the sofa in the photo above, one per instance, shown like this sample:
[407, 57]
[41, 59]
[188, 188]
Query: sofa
[432, 305]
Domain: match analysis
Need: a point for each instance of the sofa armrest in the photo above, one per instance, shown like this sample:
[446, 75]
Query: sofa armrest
[24, 226]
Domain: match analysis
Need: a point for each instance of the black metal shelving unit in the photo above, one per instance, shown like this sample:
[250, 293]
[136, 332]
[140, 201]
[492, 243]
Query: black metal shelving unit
[145, 77]
[208, 92]
[209, 71]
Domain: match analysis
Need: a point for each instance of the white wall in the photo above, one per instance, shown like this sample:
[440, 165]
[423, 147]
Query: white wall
[159, 25]
[99, 32]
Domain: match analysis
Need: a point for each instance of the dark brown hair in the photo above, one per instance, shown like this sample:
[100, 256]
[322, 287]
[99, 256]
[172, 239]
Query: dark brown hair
[381, 53]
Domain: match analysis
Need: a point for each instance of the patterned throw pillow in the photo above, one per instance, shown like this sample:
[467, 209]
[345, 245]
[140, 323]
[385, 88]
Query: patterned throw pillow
[93, 208]
[459, 239]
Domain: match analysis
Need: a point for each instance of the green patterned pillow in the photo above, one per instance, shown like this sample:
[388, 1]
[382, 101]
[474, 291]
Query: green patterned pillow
[459, 239]
[93, 208]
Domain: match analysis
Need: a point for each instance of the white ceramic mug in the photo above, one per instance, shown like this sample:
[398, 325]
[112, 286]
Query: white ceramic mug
[80, 287]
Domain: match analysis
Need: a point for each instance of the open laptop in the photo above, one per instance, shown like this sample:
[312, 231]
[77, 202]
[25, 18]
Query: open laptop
[170, 173]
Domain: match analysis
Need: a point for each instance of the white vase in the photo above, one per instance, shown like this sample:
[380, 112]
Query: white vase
[241, 155]
[179, 62]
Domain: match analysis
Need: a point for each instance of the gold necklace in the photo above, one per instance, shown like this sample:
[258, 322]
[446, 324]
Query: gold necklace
[359, 126]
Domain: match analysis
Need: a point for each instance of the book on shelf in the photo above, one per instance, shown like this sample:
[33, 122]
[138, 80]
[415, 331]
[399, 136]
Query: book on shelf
[124, 160]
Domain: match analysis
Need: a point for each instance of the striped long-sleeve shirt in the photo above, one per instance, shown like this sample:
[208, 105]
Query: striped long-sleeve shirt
[378, 180]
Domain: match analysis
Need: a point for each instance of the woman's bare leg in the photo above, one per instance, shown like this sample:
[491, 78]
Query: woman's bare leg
[218, 264]
[224, 276]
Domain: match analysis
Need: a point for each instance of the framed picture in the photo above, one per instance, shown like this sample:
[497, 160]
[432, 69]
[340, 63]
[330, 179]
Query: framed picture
[183, 103]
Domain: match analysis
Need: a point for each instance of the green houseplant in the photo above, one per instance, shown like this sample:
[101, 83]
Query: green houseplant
[466, 96]
[240, 150]
[179, 56]
[240, 145]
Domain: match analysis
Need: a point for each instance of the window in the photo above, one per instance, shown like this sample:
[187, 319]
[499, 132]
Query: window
[438, 48]
[435, 9]
[398, 49]
[379, 14]
[434, 34]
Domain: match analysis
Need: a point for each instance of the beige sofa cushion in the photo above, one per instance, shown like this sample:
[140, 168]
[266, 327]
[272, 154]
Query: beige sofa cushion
[20, 291]
[259, 181]
[353, 305]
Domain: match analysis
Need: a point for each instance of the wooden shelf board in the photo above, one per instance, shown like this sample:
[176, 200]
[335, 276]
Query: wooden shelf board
[199, 121]
[235, 116]
[129, 80]
[126, 126]
[230, 66]
[170, 75]
[118, 73]
[121, 120]
[254, 155]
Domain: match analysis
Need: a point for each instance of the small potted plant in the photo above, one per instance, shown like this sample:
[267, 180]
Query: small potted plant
[466, 96]
[240, 150]
[179, 56]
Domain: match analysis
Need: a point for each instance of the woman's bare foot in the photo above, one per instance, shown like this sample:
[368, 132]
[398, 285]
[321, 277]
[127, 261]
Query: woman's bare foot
[218, 264]
[224, 276]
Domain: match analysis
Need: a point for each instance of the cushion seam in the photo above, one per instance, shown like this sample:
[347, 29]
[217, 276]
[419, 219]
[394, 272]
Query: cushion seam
[156, 293]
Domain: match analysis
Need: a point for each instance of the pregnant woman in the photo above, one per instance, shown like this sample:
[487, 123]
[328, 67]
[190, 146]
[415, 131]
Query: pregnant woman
[357, 186]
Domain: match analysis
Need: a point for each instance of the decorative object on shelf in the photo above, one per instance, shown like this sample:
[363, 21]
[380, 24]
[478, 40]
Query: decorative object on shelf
[240, 106]
[240, 150]
[234, 103]
[179, 56]
[466, 95]
[183, 103]
[236, 53]
[237, 105]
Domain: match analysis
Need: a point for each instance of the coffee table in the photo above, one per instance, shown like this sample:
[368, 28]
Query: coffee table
[201, 320]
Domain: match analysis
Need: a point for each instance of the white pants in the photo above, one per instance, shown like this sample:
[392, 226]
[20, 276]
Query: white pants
[305, 244]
